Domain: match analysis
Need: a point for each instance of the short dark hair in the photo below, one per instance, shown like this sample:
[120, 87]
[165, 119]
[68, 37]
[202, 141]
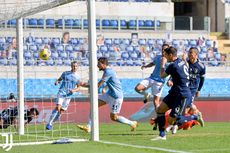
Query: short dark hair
[103, 60]
[73, 62]
[65, 33]
[194, 48]
[35, 110]
[171, 50]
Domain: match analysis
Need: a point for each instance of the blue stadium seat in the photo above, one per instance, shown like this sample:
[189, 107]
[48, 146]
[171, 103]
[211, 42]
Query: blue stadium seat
[33, 48]
[40, 22]
[141, 23]
[202, 56]
[27, 55]
[105, 23]
[63, 55]
[60, 48]
[69, 48]
[204, 50]
[29, 40]
[124, 55]
[103, 48]
[132, 23]
[2, 40]
[54, 55]
[97, 23]
[50, 62]
[33, 22]
[69, 23]
[35, 55]
[126, 41]
[175, 43]
[149, 23]
[158, 23]
[108, 42]
[9, 39]
[25, 48]
[73, 56]
[113, 23]
[186, 44]
[81, 41]
[123, 24]
[116, 41]
[46, 40]
[99, 54]
[208, 43]
[159, 42]
[38, 41]
[13, 62]
[50, 23]
[137, 63]
[55, 41]
[29, 62]
[106, 54]
[151, 42]
[3, 61]
[129, 63]
[85, 23]
[12, 22]
[60, 23]
[59, 62]
[193, 43]
[26, 22]
[77, 48]
[77, 23]
[129, 49]
[218, 56]
[133, 55]
[142, 42]
[74, 41]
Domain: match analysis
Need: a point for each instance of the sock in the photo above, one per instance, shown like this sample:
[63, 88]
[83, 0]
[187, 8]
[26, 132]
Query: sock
[124, 120]
[58, 116]
[183, 119]
[161, 123]
[53, 116]
[89, 123]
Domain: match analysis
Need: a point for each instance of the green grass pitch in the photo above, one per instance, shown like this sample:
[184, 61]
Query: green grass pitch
[214, 137]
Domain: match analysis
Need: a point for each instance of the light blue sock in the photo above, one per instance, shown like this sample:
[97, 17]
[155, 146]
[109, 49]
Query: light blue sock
[124, 120]
[58, 116]
[53, 116]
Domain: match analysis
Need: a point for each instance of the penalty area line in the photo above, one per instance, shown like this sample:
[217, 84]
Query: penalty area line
[143, 147]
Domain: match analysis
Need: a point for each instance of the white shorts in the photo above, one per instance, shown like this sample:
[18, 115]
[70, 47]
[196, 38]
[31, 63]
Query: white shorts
[156, 86]
[114, 104]
[64, 102]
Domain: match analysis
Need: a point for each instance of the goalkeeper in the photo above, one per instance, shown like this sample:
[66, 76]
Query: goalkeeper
[8, 116]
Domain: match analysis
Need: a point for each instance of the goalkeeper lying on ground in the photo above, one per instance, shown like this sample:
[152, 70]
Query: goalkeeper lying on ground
[8, 116]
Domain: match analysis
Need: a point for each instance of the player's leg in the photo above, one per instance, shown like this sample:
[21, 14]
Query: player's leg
[101, 102]
[115, 107]
[157, 88]
[142, 87]
[161, 119]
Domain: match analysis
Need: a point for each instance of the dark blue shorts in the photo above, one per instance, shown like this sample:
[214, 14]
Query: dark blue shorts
[193, 93]
[177, 104]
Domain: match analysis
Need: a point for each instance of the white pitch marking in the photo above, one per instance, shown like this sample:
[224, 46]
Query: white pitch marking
[143, 147]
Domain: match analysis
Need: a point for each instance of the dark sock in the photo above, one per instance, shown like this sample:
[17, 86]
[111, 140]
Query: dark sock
[183, 119]
[161, 123]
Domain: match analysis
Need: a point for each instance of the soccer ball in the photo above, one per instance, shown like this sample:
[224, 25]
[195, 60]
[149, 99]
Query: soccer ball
[44, 54]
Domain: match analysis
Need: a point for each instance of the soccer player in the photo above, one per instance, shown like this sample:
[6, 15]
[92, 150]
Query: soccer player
[70, 83]
[178, 95]
[196, 81]
[113, 97]
[154, 81]
[8, 116]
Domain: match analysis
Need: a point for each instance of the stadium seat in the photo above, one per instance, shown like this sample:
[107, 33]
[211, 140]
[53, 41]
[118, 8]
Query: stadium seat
[50, 62]
[54, 55]
[132, 23]
[25, 22]
[108, 42]
[12, 22]
[218, 56]
[129, 49]
[33, 48]
[46, 40]
[126, 41]
[60, 48]
[141, 23]
[38, 41]
[60, 23]
[27, 55]
[74, 41]
[99, 54]
[50, 23]
[113, 23]
[69, 23]
[77, 48]
[13, 62]
[192, 43]
[116, 41]
[105, 23]
[103, 48]
[29, 62]
[73, 56]
[124, 55]
[77, 23]
[40, 22]
[59, 62]
[55, 41]
[2, 40]
[3, 61]
[208, 43]
[142, 42]
[98, 23]
[151, 42]
[149, 23]
[36, 55]
[63, 55]
[85, 23]
[9, 39]
[33, 22]
[69, 48]
[123, 24]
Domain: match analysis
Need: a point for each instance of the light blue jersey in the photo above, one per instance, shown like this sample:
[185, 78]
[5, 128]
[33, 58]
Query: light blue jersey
[69, 81]
[113, 83]
[156, 72]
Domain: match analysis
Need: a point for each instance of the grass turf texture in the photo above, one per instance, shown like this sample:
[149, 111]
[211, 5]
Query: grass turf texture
[214, 137]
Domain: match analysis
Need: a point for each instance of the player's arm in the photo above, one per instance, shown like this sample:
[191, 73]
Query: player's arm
[84, 84]
[201, 83]
[163, 74]
[76, 89]
[100, 83]
[148, 65]
[58, 81]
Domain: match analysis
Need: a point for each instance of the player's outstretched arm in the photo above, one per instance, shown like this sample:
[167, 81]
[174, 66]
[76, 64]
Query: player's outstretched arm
[76, 89]
[57, 81]
[148, 65]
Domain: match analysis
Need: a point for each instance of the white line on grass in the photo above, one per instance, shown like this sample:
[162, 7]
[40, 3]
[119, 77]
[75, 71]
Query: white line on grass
[212, 150]
[143, 147]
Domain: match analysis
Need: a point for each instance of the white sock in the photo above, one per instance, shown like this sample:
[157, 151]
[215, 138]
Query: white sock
[124, 120]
